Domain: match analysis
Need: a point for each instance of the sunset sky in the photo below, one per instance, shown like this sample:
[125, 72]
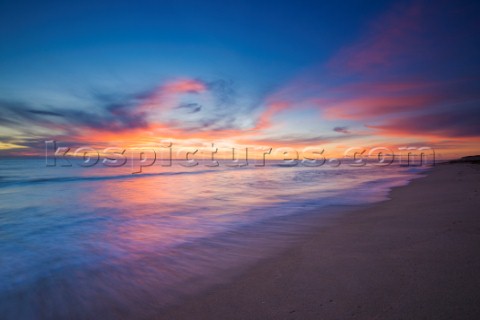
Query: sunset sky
[334, 74]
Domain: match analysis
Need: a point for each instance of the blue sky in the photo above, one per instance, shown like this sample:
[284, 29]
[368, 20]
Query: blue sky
[311, 66]
[49, 44]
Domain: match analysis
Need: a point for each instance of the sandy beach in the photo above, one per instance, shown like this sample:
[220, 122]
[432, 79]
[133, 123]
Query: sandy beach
[415, 256]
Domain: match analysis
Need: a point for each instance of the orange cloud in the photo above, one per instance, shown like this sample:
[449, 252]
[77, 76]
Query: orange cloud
[264, 121]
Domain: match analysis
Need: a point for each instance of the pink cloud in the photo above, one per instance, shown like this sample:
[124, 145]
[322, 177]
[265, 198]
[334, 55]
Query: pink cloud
[264, 121]
[368, 107]
[391, 37]
[441, 124]
[166, 95]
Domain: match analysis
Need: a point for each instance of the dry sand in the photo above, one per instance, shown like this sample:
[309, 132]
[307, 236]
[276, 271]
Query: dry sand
[416, 256]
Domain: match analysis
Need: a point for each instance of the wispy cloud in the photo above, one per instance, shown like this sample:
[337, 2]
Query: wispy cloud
[341, 130]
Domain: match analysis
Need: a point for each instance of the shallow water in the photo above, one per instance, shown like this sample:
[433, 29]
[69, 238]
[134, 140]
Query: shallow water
[100, 242]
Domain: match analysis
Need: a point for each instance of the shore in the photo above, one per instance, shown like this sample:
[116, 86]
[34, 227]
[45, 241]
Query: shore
[415, 256]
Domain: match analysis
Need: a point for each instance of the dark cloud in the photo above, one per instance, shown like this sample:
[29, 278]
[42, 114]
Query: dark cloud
[45, 113]
[341, 130]
[108, 116]
[15, 114]
[190, 107]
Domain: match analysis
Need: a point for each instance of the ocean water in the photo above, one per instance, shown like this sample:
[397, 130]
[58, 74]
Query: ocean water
[103, 243]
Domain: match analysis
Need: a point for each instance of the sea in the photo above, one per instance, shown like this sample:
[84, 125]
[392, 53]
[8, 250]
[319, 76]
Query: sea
[102, 243]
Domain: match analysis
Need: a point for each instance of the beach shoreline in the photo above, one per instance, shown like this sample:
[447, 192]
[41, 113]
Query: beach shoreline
[414, 256]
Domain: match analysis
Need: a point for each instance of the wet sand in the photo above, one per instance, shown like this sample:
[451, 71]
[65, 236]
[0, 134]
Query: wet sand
[416, 256]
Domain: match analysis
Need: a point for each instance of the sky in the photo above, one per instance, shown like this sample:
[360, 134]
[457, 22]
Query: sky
[335, 74]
